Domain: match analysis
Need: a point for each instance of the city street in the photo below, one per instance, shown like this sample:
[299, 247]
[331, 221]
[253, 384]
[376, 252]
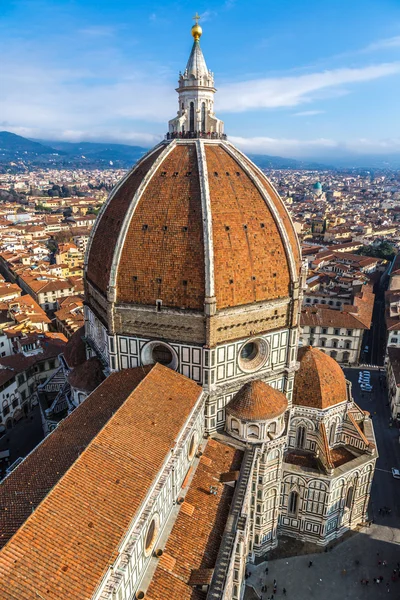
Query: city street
[336, 574]
[22, 438]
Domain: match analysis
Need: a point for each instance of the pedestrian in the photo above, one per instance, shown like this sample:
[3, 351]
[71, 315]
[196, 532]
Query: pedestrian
[274, 590]
[381, 578]
[274, 582]
[384, 563]
[284, 591]
[310, 564]
[266, 571]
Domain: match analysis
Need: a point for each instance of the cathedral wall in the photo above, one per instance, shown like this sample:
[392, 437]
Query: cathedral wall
[325, 506]
[247, 321]
[136, 556]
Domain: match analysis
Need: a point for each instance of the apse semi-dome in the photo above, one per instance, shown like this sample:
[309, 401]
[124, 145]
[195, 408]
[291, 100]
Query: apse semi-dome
[193, 219]
[257, 401]
[320, 381]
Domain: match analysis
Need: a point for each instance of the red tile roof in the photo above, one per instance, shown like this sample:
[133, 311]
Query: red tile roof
[187, 553]
[80, 524]
[319, 382]
[250, 253]
[26, 487]
[257, 401]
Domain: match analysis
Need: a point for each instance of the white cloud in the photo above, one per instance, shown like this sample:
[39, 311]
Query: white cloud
[295, 148]
[393, 42]
[291, 91]
[308, 113]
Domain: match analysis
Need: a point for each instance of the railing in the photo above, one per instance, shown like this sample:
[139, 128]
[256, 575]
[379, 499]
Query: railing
[188, 135]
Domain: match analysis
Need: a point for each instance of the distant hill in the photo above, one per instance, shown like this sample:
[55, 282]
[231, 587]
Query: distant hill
[13, 145]
[19, 153]
[99, 151]
[264, 161]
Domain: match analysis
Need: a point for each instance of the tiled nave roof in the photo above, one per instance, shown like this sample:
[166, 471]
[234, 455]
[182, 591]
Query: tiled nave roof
[186, 554]
[65, 547]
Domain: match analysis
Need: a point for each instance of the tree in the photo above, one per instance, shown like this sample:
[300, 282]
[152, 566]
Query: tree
[383, 250]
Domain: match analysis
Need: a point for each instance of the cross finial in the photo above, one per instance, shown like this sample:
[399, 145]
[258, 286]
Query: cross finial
[196, 18]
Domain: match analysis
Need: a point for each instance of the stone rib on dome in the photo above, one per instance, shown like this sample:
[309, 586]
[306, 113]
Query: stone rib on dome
[320, 381]
[149, 241]
[257, 401]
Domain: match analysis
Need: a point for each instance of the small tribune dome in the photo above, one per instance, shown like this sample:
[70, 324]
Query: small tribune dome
[320, 381]
[257, 401]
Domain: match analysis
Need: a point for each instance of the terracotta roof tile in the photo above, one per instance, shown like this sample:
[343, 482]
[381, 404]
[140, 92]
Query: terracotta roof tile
[250, 261]
[87, 376]
[75, 351]
[319, 382]
[163, 251]
[257, 401]
[164, 248]
[109, 225]
[95, 501]
[26, 487]
[199, 552]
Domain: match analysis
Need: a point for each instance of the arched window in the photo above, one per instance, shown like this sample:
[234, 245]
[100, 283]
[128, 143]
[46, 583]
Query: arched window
[253, 431]
[191, 117]
[334, 354]
[272, 427]
[323, 342]
[203, 117]
[334, 343]
[332, 434]
[234, 426]
[349, 497]
[293, 502]
[300, 436]
[346, 356]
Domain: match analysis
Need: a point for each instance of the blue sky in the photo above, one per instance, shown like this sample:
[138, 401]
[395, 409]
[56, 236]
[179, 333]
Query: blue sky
[299, 78]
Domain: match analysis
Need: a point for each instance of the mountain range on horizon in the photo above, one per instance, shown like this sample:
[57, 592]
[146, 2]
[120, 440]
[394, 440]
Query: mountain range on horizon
[20, 153]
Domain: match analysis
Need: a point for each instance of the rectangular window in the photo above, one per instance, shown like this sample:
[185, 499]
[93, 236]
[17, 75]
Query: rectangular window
[337, 331]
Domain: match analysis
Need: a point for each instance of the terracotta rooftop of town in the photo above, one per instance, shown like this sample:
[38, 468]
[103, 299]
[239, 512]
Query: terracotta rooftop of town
[320, 381]
[257, 401]
[112, 476]
[253, 245]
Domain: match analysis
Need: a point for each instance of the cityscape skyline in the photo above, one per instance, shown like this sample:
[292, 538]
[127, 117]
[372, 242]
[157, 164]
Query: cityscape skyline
[290, 83]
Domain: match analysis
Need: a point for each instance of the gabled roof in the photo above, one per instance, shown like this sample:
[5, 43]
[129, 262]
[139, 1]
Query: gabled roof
[94, 502]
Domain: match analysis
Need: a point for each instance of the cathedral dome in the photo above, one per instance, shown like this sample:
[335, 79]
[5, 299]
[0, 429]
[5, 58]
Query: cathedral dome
[320, 381]
[194, 219]
[257, 401]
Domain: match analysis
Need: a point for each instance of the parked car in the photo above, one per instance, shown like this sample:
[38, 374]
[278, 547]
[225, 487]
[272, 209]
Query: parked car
[395, 473]
[366, 387]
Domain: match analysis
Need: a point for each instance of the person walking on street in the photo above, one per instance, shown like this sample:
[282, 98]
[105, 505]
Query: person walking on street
[310, 564]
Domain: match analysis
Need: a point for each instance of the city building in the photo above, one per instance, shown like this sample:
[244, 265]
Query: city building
[210, 435]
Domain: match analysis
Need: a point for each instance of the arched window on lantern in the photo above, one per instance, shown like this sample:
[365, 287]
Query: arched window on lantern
[191, 117]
